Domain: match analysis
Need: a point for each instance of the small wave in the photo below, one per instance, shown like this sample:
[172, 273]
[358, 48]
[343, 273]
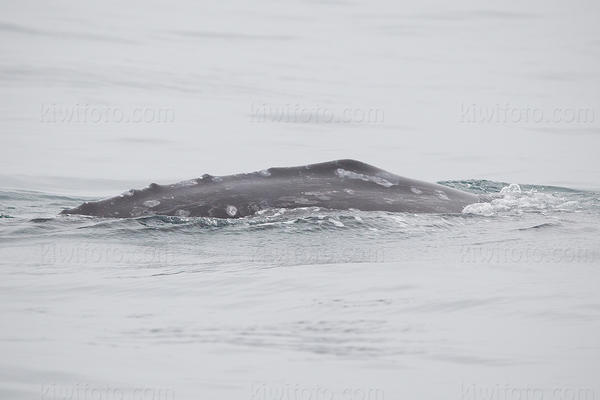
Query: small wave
[41, 220]
[540, 226]
[309, 220]
[31, 195]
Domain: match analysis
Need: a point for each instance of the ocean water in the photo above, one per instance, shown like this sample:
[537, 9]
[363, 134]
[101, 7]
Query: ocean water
[305, 303]
[499, 302]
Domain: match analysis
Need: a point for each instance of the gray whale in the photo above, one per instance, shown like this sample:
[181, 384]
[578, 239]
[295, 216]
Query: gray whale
[342, 185]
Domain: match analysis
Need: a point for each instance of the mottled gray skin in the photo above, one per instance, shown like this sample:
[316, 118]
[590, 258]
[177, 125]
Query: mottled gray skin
[342, 185]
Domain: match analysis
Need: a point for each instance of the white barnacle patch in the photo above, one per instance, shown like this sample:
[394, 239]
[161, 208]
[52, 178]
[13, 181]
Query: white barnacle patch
[342, 173]
[415, 190]
[265, 172]
[442, 195]
[318, 195]
[302, 200]
[151, 203]
[231, 210]
[182, 213]
[137, 212]
[189, 182]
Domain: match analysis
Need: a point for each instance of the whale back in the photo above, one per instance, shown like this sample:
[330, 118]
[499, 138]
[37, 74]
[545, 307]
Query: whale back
[341, 184]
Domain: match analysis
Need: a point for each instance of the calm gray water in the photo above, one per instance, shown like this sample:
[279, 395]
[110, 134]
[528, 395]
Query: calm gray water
[307, 303]
[499, 302]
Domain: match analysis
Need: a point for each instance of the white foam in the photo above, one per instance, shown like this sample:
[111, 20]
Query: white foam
[485, 209]
[512, 188]
[512, 199]
[336, 222]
